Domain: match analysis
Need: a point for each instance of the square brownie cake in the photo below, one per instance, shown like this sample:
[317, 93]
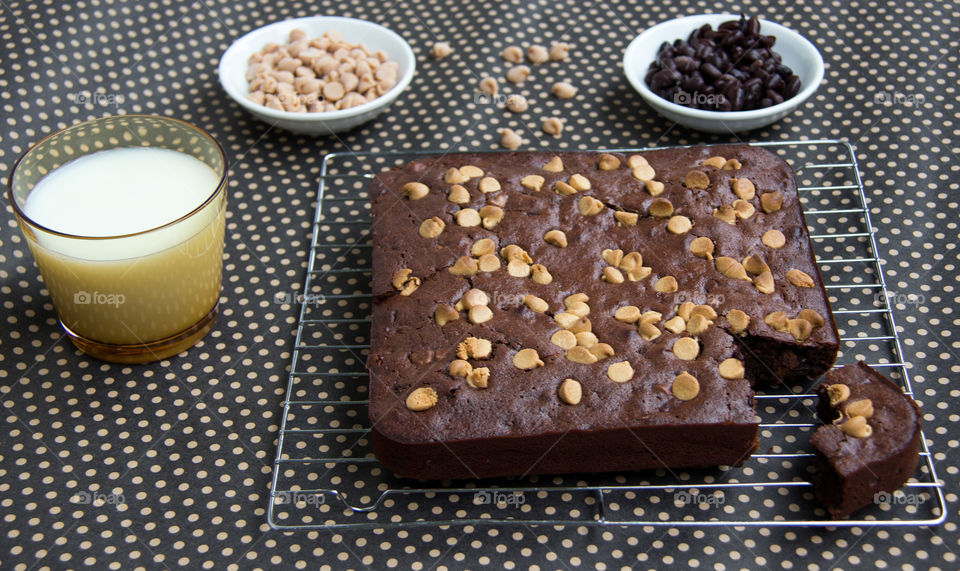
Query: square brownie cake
[577, 312]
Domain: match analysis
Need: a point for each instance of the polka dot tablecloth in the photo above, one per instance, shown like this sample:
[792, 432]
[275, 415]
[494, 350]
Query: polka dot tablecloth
[168, 465]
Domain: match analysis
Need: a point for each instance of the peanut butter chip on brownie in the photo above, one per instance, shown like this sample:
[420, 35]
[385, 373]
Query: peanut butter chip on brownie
[458, 194]
[799, 279]
[685, 386]
[579, 182]
[479, 378]
[743, 188]
[813, 317]
[532, 181]
[488, 263]
[460, 368]
[731, 368]
[620, 372]
[771, 201]
[862, 407]
[644, 172]
[527, 359]
[697, 180]
[738, 320]
[731, 268]
[518, 268]
[415, 190]
[627, 314]
[776, 320]
[564, 339]
[799, 328]
[608, 162]
[702, 247]
[563, 189]
[590, 206]
[471, 171]
[570, 392]
[679, 224]
[654, 187]
[774, 239]
[432, 227]
[857, 427]
[445, 313]
[421, 399]
[686, 348]
[556, 238]
[479, 314]
[535, 303]
[666, 284]
[581, 355]
[660, 208]
[488, 184]
[715, 162]
[612, 275]
[467, 217]
[626, 218]
[465, 266]
[732, 165]
[475, 348]
[554, 165]
[764, 282]
[838, 393]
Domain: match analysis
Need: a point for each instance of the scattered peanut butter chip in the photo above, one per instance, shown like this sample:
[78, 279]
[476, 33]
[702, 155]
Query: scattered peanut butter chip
[726, 213]
[564, 339]
[581, 355]
[482, 247]
[518, 268]
[422, 399]
[432, 227]
[732, 165]
[575, 298]
[458, 194]
[512, 252]
[755, 265]
[415, 190]
[554, 165]
[813, 317]
[743, 188]
[638, 274]
[838, 393]
[612, 275]
[467, 217]
[697, 180]
[743, 209]
[644, 172]
[563, 189]
[666, 284]
[475, 297]
[862, 407]
[675, 324]
[479, 378]
[405, 283]
[731, 368]
[636, 161]
[715, 162]
[738, 320]
[570, 392]
[650, 317]
[660, 208]
[702, 247]
[532, 181]
[626, 218]
[556, 238]
[479, 314]
[799, 328]
[774, 239]
[566, 320]
[627, 314]
[488, 263]
[460, 368]
[590, 206]
[580, 325]
[608, 162]
[654, 187]
[540, 275]
[612, 257]
[579, 182]
[454, 176]
[771, 201]
[679, 224]
[488, 184]
[620, 372]
[535, 303]
[445, 313]
[527, 359]
[685, 309]
[698, 324]
[764, 282]
[400, 277]
[474, 348]
[471, 171]
[685, 386]
[731, 268]
[578, 308]
[857, 427]
[776, 320]
[465, 266]
[705, 310]
[601, 351]
[491, 215]
[686, 348]
[648, 331]
[630, 261]
[799, 278]
[587, 339]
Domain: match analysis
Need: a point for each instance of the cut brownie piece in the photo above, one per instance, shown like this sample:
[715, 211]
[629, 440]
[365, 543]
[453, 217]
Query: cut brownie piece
[653, 287]
[870, 443]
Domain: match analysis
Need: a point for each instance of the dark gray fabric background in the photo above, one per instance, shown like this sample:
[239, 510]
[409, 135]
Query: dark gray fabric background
[190, 441]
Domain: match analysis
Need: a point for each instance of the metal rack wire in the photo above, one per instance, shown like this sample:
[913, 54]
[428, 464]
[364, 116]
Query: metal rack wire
[325, 474]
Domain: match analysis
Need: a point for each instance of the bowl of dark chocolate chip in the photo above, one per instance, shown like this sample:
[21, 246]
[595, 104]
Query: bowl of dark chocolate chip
[720, 73]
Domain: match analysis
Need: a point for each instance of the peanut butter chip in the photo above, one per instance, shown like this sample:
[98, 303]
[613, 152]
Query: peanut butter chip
[580, 325]
[627, 314]
[644, 172]
[570, 392]
[698, 324]
[857, 427]
[764, 282]
[612, 257]
[458, 194]
[535, 303]
[660, 208]
[491, 215]
[512, 252]
[579, 182]
[532, 181]
[602, 351]
[475, 297]
[590, 206]
[422, 399]
[471, 171]
[731, 268]
[527, 359]
[432, 227]
[743, 209]
[715, 162]
[704, 310]
[488, 263]
[862, 407]
[454, 176]
[540, 275]
[465, 266]
[445, 313]
[556, 238]
[731, 368]
[654, 187]
[620, 372]
[648, 331]
[813, 317]
[686, 348]
[479, 314]
[415, 190]
[482, 247]
[702, 247]
[776, 320]
[838, 393]
[679, 224]
[755, 265]
[636, 161]
[771, 201]
[587, 339]
[666, 284]
[563, 189]
[405, 283]
[400, 278]
[799, 328]
[479, 378]
[554, 165]
[630, 262]
[685, 386]
[726, 213]
[732, 165]
[575, 298]
[608, 162]
[743, 188]
[578, 308]
[488, 184]
[612, 275]
[675, 324]
[566, 320]
[626, 218]
[518, 268]
[474, 348]
[774, 239]
[460, 368]
[467, 217]
[581, 355]
[738, 320]
[564, 339]
[799, 279]
[697, 179]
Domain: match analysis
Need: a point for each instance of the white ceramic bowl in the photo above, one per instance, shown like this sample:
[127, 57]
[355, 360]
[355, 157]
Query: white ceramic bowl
[233, 67]
[797, 52]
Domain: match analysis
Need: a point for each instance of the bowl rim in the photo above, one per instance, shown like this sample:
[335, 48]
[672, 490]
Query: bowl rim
[772, 28]
[402, 83]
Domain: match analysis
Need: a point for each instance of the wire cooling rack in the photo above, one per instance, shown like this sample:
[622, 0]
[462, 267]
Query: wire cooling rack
[325, 474]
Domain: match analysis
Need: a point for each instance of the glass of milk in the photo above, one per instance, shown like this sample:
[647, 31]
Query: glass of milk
[125, 218]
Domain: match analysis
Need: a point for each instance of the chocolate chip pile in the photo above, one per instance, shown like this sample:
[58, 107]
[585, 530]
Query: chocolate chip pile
[732, 68]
